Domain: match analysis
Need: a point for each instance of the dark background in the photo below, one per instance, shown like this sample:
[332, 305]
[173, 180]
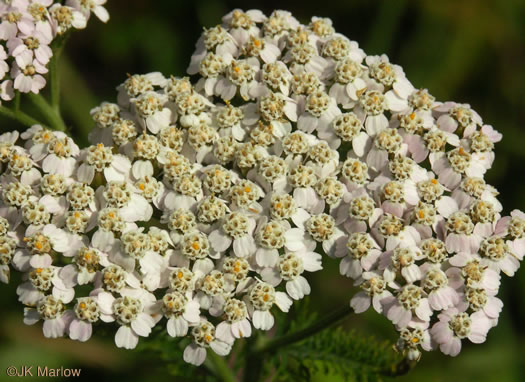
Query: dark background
[468, 51]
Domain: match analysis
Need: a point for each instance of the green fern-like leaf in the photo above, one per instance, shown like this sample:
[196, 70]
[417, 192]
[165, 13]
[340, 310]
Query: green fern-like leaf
[337, 351]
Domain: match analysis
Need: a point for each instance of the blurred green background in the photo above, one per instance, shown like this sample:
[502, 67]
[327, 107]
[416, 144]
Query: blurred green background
[468, 51]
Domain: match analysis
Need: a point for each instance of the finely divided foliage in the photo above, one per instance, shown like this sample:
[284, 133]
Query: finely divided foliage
[204, 203]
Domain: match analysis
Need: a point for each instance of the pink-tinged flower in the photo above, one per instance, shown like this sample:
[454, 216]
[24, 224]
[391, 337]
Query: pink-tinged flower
[130, 204]
[358, 211]
[390, 233]
[19, 164]
[457, 115]
[441, 295]
[348, 82]
[91, 6]
[263, 48]
[211, 67]
[41, 282]
[135, 85]
[260, 300]
[370, 110]
[392, 76]
[410, 304]
[290, 269]
[8, 245]
[101, 159]
[491, 133]
[4, 67]
[387, 142]
[134, 312]
[27, 73]
[237, 324]
[87, 313]
[401, 261]
[481, 300]
[229, 120]
[320, 228]
[453, 326]
[361, 254]
[40, 242]
[37, 138]
[204, 336]
[471, 273]
[239, 75]
[274, 235]
[53, 311]
[513, 228]
[303, 179]
[304, 58]
[181, 310]
[278, 25]
[237, 229]
[151, 110]
[373, 292]
[473, 190]
[495, 253]
[458, 163]
[347, 128]
[395, 197]
[87, 263]
[242, 25]
[461, 235]
[216, 39]
[431, 144]
[62, 155]
[9, 24]
[36, 43]
[63, 18]
[6, 90]
[316, 112]
[35, 15]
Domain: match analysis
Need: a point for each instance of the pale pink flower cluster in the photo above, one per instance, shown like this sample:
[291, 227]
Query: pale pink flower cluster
[201, 206]
[27, 29]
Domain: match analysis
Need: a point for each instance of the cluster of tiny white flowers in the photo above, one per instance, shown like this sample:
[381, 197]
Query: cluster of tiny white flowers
[27, 30]
[208, 203]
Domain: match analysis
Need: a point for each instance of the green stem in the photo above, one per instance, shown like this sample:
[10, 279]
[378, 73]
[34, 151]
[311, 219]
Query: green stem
[54, 80]
[316, 327]
[221, 368]
[54, 77]
[19, 116]
[52, 116]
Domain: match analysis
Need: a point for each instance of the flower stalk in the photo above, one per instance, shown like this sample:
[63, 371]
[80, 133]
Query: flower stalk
[221, 368]
[18, 116]
[53, 118]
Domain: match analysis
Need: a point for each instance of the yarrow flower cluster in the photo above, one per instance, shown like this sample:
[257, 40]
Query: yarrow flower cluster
[27, 30]
[202, 204]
